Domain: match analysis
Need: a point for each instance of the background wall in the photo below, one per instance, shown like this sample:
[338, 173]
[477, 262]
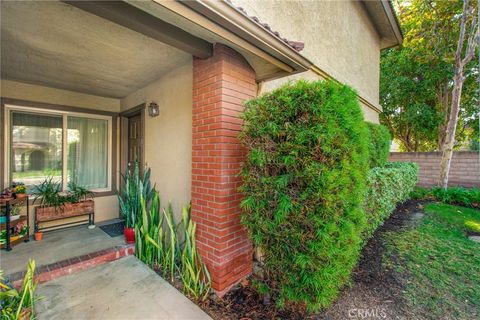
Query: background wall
[105, 207]
[168, 137]
[370, 114]
[339, 38]
[464, 169]
[31, 92]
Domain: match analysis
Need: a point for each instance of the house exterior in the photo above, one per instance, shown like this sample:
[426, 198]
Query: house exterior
[78, 80]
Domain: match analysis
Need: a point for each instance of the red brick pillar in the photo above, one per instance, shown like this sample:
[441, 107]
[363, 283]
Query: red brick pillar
[220, 85]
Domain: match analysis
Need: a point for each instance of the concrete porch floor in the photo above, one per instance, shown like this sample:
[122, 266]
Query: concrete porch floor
[57, 246]
[122, 289]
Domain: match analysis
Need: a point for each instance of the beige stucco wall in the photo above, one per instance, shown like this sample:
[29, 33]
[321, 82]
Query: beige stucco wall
[105, 207]
[31, 92]
[369, 113]
[168, 137]
[168, 141]
[339, 38]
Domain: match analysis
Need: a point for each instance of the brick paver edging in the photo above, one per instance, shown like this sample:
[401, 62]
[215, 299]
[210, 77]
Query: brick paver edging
[68, 266]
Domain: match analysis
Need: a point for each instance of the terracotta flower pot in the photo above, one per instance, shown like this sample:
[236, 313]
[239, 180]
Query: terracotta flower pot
[38, 236]
[129, 234]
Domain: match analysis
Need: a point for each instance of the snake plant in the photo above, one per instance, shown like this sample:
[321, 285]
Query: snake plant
[15, 304]
[194, 273]
[158, 245]
[135, 187]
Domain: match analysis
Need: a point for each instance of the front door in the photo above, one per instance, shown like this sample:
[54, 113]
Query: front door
[135, 140]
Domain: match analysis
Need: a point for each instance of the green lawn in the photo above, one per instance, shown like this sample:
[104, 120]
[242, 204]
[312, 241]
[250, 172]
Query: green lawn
[441, 265]
[37, 173]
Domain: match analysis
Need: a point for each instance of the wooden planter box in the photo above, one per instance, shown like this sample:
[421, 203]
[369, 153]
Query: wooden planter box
[65, 211]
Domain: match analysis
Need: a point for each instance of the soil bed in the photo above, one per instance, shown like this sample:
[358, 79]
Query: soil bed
[376, 290]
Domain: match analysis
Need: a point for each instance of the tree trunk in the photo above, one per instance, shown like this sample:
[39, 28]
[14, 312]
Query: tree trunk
[443, 96]
[472, 41]
[451, 128]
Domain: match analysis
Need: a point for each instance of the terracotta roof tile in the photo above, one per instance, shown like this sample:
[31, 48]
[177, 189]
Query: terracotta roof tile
[296, 45]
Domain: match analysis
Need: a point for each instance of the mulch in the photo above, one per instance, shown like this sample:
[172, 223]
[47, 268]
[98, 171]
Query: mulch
[375, 291]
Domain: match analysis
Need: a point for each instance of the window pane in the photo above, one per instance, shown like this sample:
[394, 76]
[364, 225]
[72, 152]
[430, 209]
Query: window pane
[88, 152]
[36, 142]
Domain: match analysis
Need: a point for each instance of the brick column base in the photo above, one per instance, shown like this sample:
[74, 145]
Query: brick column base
[220, 85]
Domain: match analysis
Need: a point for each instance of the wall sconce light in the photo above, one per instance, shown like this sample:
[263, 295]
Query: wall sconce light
[153, 109]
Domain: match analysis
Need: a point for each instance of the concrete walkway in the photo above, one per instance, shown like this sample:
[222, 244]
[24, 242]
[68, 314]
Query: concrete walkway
[123, 289]
[57, 246]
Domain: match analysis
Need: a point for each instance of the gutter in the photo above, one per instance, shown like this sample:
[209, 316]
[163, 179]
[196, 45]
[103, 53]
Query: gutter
[326, 75]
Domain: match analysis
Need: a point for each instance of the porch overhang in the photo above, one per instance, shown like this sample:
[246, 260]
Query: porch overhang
[114, 48]
[219, 22]
[194, 26]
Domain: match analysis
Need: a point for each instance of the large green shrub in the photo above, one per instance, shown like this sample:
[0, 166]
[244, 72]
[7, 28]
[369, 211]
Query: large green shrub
[387, 187]
[379, 144]
[304, 185]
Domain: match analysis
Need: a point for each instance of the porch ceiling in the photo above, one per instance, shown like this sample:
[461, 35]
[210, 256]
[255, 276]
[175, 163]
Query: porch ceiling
[57, 45]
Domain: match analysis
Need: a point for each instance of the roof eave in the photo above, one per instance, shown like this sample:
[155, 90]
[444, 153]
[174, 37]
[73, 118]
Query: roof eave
[236, 22]
[385, 21]
[393, 19]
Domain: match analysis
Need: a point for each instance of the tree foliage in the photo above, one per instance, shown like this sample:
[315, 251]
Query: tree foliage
[416, 79]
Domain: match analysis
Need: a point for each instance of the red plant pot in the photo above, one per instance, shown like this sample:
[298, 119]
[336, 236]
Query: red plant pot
[129, 234]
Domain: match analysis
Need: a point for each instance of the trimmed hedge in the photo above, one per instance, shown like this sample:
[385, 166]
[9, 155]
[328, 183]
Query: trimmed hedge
[304, 185]
[387, 187]
[379, 146]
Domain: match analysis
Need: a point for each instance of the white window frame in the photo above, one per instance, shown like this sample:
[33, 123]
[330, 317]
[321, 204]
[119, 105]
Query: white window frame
[64, 114]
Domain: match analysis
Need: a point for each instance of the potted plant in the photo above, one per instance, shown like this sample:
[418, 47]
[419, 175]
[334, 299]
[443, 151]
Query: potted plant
[7, 194]
[19, 189]
[56, 204]
[14, 214]
[135, 186]
[48, 193]
[20, 230]
[38, 235]
[3, 237]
